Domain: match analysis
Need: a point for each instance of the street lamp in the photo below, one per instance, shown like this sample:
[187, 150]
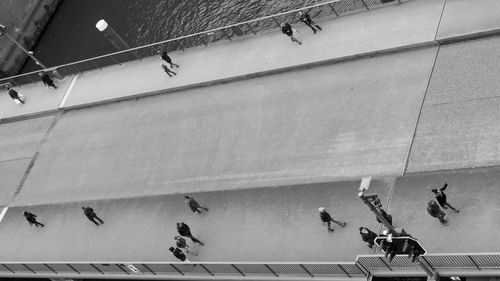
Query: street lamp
[111, 35]
[3, 31]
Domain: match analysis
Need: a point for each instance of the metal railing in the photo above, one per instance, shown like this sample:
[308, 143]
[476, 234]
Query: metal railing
[334, 8]
[478, 264]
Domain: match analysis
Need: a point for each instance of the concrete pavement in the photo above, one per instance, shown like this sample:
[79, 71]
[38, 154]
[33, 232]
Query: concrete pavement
[328, 123]
[261, 225]
[264, 224]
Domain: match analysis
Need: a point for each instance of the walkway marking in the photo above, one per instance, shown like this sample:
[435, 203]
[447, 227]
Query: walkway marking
[30, 165]
[68, 91]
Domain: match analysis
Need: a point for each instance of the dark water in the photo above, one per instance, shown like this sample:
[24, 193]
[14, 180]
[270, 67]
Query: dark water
[71, 35]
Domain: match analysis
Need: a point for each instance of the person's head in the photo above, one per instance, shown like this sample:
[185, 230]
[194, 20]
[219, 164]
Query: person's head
[321, 210]
[435, 191]
[187, 196]
[25, 213]
[83, 207]
[301, 13]
[171, 249]
[40, 74]
[8, 88]
[363, 230]
[178, 224]
[283, 24]
[431, 203]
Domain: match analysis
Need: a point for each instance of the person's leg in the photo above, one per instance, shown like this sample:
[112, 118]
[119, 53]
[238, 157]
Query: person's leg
[92, 220]
[195, 240]
[39, 224]
[312, 27]
[20, 100]
[441, 217]
[343, 224]
[176, 65]
[451, 207]
[294, 39]
[98, 218]
[316, 25]
[329, 227]
[191, 251]
[206, 209]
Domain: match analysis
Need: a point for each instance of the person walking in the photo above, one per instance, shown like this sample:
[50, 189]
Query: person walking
[306, 18]
[31, 218]
[367, 236]
[47, 81]
[164, 56]
[91, 215]
[441, 198]
[178, 254]
[434, 210]
[15, 96]
[194, 205]
[181, 244]
[327, 219]
[183, 230]
[287, 29]
[167, 70]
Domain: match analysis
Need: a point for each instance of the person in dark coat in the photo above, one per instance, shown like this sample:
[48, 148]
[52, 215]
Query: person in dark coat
[306, 18]
[368, 236]
[15, 95]
[327, 219]
[167, 70]
[47, 81]
[164, 56]
[183, 230]
[194, 205]
[178, 254]
[91, 215]
[441, 198]
[181, 244]
[287, 29]
[434, 210]
[31, 218]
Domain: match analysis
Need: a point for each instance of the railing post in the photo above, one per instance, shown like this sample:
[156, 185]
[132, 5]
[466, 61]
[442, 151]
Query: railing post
[251, 29]
[226, 34]
[333, 9]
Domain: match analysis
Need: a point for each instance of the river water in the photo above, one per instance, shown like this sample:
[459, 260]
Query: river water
[71, 34]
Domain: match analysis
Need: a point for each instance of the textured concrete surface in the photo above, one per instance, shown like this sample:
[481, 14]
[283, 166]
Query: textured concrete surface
[269, 224]
[414, 22]
[11, 172]
[327, 123]
[474, 192]
[464, 17]
[459, 126]
[21, 139]
[37, 97]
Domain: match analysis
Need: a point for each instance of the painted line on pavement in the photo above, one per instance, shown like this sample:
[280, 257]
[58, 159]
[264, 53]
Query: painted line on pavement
[68, 91]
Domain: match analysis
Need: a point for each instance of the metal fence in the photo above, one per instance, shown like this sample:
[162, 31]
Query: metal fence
[335, 8]
[487, 264]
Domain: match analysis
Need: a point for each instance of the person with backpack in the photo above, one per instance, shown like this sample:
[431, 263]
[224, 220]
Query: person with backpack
[15, 96]
[178, 254]
[182, 244]
[287, 29]
[183, 230]
[441, 198]
[31, 218]
[327, 219]
[91, 215]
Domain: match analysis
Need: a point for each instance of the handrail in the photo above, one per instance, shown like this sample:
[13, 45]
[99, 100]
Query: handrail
[112, 55]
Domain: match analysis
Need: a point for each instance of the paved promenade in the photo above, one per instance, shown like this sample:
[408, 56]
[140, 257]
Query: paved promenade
[291, 128]
[266, 224]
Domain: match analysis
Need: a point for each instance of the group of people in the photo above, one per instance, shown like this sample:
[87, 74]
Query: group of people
[19, 99]
[87, 211]
[164, 56]
[291, 32]
[435, 209]
[181, 248]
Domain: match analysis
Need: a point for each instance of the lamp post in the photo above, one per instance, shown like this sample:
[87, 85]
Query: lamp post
[3, 32]
[113, 36]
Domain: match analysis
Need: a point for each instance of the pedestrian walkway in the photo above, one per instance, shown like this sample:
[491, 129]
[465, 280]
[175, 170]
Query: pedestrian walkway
[384, 29]
[260, 225]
